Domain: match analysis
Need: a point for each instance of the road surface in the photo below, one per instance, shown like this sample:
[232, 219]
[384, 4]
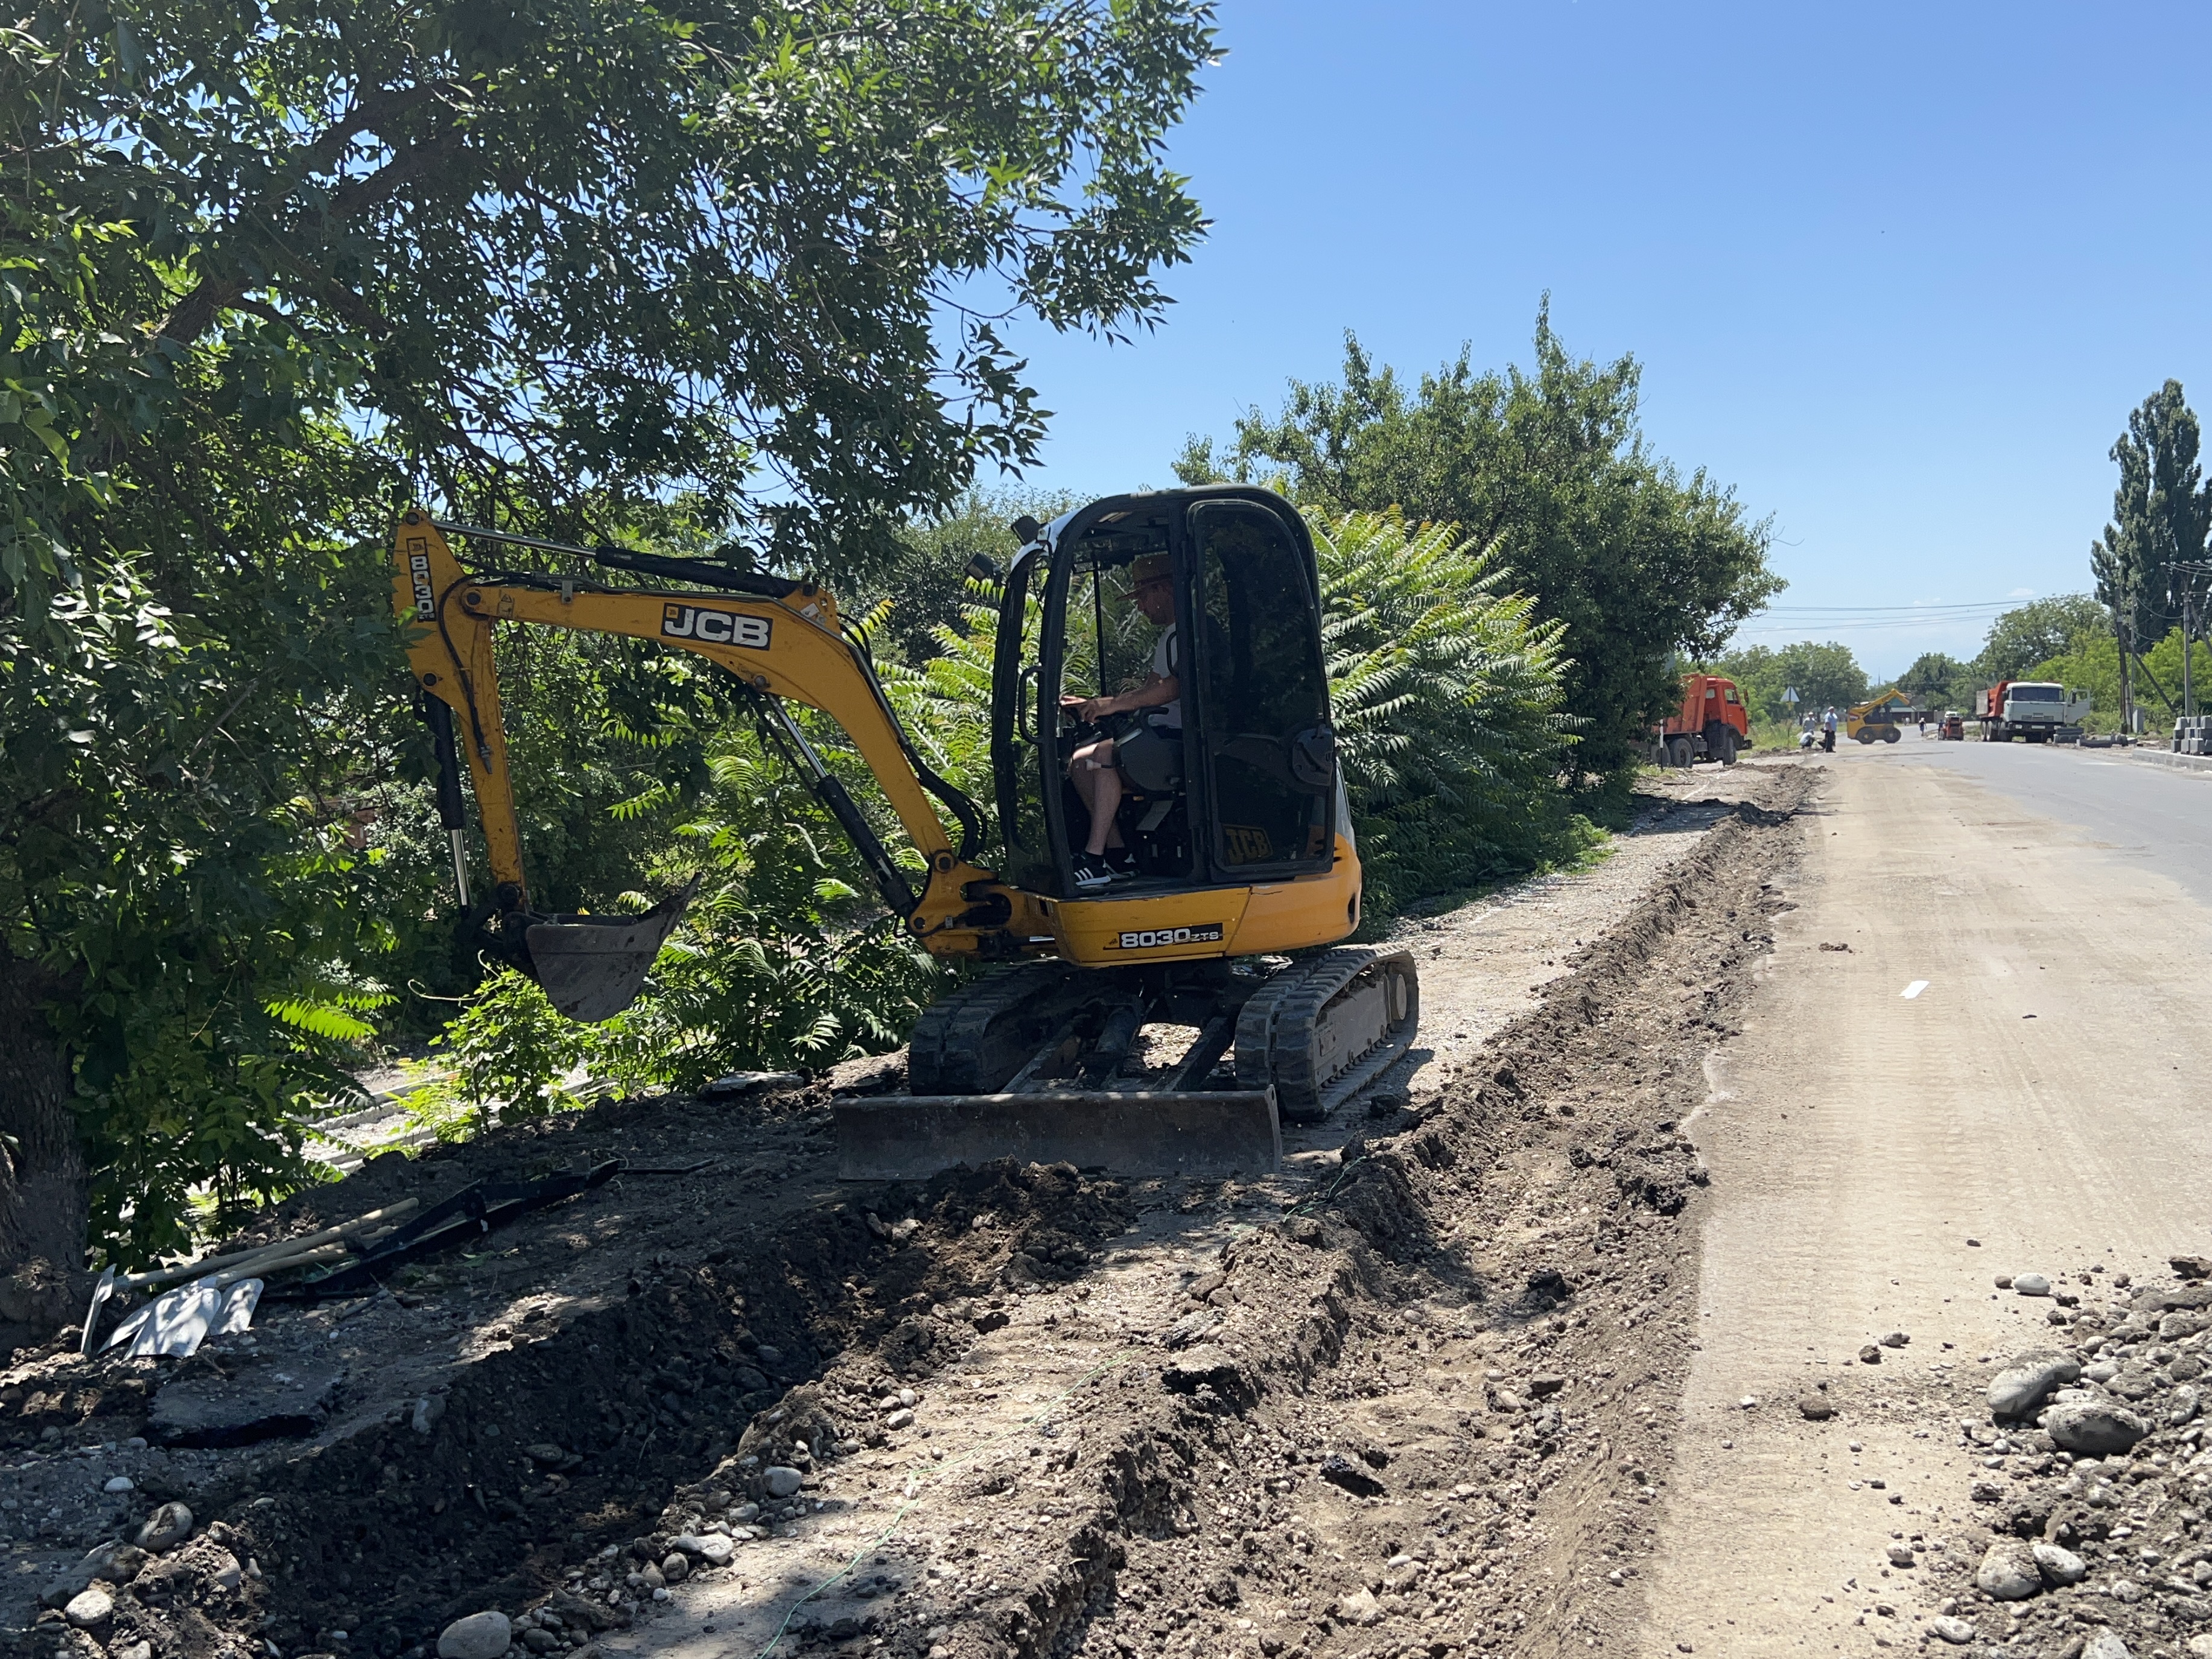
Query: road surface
[2040, 1093]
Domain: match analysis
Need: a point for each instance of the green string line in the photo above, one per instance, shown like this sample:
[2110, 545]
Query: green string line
[911, 1503]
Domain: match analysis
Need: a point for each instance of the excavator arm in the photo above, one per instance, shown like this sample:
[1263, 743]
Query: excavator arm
[780, 637]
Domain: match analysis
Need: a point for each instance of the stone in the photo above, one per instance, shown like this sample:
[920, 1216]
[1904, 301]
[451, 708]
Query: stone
[1901, 1555]
[1544, 1386]
[909, 1397]
[2060, 1566]
[540, 1641]
[120, 1483]
[2030, 1285]
[254, 1404]
[2191, 1266]
[2200, 1647]
[901, 1418]
[781, 1480]
[136, 1650]
[2094, 1427]
[116, 1562]
[2007, 1571]
[769, 1356]
[2180, 1406]
[1895, 1340]
[1952, 1628]
[168, 1527]
[2023, 1385]
[89, 1608]
[479, 1636]
[2104, 1643]
[544, 1451]
[1870, 1355]
[1360, 1607]
[427, 1410]
[748, 1380]
[2175, 1325]
[1817, 1407]
[675, 1567]
[715, 1551]
[744, 1514]
[223, 1570]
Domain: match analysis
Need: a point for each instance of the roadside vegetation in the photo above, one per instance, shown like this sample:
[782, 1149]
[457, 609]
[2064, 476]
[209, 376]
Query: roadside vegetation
[263, 294]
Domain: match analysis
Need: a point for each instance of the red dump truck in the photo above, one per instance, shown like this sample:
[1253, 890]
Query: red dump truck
[1711, 723]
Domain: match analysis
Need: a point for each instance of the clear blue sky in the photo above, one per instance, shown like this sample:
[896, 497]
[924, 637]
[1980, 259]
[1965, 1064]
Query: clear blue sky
[1897, 273]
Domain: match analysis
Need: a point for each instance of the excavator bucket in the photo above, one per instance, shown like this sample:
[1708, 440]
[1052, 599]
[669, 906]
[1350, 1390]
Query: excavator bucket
[1208, 1134]
[593, 967]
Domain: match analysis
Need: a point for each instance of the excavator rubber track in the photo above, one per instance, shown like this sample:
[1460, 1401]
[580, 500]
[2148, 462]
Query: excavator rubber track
[1027, 1063]
[1326, 1028]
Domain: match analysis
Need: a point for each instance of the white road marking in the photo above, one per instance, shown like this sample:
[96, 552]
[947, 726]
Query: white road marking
[1915, 988]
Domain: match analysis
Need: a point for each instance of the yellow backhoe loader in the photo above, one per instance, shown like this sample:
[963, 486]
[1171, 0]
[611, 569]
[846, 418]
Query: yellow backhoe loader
[1229, 847]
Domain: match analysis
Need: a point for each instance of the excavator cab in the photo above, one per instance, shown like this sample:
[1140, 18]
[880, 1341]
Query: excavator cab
[1255, 795]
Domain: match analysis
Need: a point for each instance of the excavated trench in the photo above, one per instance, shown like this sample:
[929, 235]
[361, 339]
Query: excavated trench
[1413, 1395]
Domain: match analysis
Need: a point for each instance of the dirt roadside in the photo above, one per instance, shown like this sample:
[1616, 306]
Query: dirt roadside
[1414, 1394]
[1976, 1053]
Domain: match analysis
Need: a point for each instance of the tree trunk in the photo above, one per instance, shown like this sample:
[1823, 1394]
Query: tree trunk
[42, 1173]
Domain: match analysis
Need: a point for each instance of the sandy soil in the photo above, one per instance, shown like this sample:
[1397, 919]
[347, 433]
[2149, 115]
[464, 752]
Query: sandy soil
[1879, 1160]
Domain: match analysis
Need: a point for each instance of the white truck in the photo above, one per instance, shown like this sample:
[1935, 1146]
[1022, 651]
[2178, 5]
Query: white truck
[2034, 709]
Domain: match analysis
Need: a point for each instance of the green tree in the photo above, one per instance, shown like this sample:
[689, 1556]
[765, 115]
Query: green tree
[271, 272]
[1823, 675]
[2037, 631]
[1937, 681]
[1638, 561]
[2161, 511]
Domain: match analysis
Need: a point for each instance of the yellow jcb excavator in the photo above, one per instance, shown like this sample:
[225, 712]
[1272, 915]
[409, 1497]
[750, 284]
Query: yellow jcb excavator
[1229, 847]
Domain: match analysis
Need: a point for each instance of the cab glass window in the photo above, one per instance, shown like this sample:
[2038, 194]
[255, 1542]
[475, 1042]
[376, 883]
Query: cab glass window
[1263, 690]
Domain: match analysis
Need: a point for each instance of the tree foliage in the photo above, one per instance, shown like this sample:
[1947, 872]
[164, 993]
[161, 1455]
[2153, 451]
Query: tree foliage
[1938, 681]
[1637, 563]
[1823, 675]
[2161, 511]
[267, 273]
[1447, 696]
[2036, 632]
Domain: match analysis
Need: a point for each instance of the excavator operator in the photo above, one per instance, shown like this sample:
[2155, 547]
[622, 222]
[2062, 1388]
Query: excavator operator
[1150, 758]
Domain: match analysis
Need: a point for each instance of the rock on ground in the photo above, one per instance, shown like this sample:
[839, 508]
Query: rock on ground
[2095, 1427]
[2018, 1390]
[2008, 1572]
[479, 1636]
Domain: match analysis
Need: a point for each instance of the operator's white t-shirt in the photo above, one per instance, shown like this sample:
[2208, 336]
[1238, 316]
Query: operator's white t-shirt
[1164, 655]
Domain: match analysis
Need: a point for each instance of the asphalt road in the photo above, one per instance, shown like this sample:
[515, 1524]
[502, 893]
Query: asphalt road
[2011, 1050]
[2158, 816]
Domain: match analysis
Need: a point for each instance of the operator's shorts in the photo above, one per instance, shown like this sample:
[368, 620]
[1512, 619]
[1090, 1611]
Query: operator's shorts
[1150, 757]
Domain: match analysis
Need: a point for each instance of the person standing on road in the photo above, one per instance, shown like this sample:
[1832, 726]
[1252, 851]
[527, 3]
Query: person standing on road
[1828, 731]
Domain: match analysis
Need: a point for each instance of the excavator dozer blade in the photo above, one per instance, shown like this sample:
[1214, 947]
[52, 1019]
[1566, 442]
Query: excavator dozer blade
[592, 967]
[913, 1137]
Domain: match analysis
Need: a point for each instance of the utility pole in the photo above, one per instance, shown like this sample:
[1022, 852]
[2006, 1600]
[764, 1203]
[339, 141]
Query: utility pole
[2188, 571]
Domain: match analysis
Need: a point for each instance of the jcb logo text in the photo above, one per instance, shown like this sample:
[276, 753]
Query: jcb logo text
[689, 621]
